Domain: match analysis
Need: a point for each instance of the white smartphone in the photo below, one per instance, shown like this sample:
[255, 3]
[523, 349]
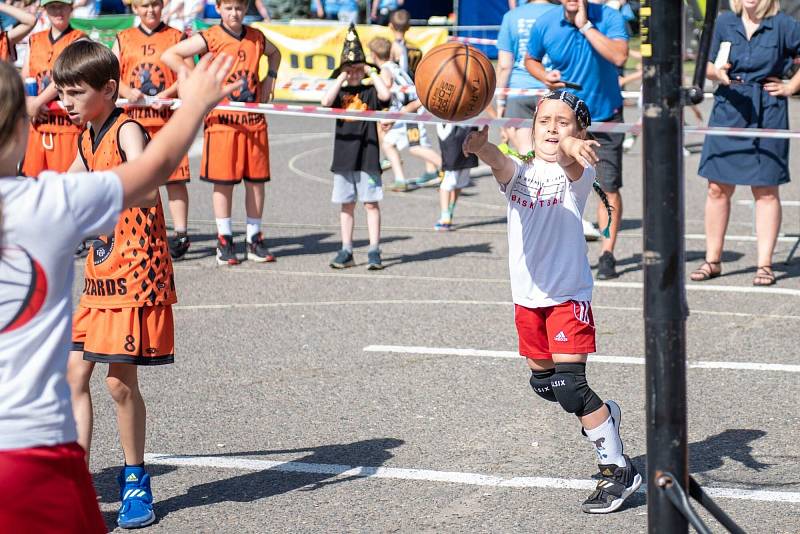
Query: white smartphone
[723, 55]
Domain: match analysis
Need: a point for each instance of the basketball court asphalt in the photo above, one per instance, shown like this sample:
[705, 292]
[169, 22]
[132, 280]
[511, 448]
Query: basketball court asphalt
[309, 400]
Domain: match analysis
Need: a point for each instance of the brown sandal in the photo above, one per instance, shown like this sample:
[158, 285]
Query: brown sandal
[706, 271]
[764, 276]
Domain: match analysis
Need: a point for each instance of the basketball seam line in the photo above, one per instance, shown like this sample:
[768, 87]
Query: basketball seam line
[463, 82]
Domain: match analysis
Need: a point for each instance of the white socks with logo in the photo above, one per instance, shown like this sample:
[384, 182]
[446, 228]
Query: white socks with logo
[607, 443]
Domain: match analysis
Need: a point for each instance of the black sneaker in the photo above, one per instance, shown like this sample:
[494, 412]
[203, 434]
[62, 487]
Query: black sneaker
[615, 485]
[226, 254]
[374, 260]
[178, 245]
[343, 259]
[606, 266]
[257, 250]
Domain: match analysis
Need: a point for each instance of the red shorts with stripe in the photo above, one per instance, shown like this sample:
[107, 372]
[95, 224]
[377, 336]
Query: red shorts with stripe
[181, 175]
[567, 328]
[48, 490]
[231, 155]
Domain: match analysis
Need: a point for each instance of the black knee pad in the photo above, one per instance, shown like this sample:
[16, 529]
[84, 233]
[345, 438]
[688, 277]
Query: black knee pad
[540, 382]
[572, 391]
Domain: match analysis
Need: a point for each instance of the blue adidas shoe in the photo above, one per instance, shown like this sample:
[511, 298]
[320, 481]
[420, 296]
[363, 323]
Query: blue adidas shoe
[136, 510]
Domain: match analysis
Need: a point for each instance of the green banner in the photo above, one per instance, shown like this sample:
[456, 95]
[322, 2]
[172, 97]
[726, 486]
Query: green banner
[104, 29]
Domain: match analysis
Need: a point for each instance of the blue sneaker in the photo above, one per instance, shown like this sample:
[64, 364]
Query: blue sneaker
[136, 510]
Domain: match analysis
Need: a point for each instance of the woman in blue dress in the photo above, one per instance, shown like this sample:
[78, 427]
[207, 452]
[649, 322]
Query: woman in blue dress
[751, 94]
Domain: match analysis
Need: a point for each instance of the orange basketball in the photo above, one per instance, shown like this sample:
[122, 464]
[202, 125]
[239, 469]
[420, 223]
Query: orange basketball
[455, 81]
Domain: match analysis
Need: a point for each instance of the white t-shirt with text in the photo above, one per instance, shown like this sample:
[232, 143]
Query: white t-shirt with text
[546, 248]
[43, 222]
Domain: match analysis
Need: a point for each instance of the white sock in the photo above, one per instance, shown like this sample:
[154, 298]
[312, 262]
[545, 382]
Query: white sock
[607, 443]
[224, 226]
[253, 227]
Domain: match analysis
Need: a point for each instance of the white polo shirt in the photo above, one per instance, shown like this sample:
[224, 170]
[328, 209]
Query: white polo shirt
[546, 249]
[43, 222]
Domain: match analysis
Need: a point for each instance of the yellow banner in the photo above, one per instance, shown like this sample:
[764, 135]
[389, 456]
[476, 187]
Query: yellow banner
[313, 51]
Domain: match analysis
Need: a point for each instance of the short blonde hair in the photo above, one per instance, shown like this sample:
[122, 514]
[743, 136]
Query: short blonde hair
[766, 8]
[381, 47]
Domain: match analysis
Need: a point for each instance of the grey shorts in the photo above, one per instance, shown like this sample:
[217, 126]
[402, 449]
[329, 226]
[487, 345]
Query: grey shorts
[609, 168]
[521, 107]
[356, 185]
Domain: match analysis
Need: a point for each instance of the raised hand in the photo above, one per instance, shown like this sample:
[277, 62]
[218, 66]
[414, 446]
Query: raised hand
[205, 85]
[475, 141]
[572, 149]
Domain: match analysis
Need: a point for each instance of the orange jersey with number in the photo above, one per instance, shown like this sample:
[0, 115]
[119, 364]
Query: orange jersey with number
[42, 56]
[132, 267]
[141, 68]
[8, 52]
[246, 49]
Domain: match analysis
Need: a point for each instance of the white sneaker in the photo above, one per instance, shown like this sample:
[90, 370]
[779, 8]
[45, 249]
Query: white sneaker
[590, 232]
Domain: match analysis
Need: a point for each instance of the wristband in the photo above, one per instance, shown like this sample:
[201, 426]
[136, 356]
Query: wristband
[586, 27]
[272, 73]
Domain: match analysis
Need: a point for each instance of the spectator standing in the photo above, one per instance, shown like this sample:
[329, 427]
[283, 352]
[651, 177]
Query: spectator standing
[586, 43]
[512, 46]
[342, 10]
[383, 9]
[763, 42]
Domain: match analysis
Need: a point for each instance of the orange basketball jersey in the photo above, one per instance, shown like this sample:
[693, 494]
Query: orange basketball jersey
[43, 54]
[133, 267]
[141, 68]
[247, 48]
[8, 52]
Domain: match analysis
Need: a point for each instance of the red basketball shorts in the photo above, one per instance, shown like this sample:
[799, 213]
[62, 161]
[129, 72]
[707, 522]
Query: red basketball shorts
[567, 328]
[48, 490]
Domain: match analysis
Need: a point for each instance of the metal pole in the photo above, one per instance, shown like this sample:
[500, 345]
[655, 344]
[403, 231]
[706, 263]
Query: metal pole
[665, 308]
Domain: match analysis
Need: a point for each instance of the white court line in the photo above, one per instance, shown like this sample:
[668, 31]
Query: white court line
[258, 305]
[459, 280]
[468, 230]
[633, 360]
[427, 475]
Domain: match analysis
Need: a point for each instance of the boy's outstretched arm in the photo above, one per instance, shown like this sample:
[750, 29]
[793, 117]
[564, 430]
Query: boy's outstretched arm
[26, 22]
[199, 91]
[174, 56]
[502, 166]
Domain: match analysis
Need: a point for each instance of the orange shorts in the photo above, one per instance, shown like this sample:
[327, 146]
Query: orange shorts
[181, 175]
[235, 154]
[49, 152]
[141, 336]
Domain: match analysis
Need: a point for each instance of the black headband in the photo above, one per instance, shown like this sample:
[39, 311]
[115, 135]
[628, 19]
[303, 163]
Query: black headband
[577, 106]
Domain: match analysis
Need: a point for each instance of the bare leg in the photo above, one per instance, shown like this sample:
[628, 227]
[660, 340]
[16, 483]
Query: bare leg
[393, 155]
[615, 200]
[123, 384]
[178, 196]
[717, 214]
[254, 195]
[373, 223]
[222, 198]
[433, 160]
[347, 221]
[79, 374]
[768, 221]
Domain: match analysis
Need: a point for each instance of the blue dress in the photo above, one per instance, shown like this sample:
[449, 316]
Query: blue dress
[744, 103]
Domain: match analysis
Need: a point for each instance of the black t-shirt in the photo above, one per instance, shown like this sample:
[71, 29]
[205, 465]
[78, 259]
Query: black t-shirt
[451, 141]
[356, 145]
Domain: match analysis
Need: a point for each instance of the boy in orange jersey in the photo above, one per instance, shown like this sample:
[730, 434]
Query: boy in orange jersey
[9, 39]
[124, 317]
[142, 74]
[239, 139]
[53, 138]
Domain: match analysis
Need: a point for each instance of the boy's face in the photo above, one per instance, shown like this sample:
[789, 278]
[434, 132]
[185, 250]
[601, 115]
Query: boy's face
[554, 120]
[84, 103]
[59, 14]
[149, 11]
[355, 73]
[232, 13]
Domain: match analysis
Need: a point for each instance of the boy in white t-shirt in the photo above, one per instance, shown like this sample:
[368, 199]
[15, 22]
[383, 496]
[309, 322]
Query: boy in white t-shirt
[551, 283]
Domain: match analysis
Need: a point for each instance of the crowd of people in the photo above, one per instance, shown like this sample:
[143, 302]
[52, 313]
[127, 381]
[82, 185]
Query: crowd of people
[81, 157]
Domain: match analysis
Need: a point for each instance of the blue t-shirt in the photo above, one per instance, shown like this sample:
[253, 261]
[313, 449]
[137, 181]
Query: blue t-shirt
[572, 54]
[513, 37]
